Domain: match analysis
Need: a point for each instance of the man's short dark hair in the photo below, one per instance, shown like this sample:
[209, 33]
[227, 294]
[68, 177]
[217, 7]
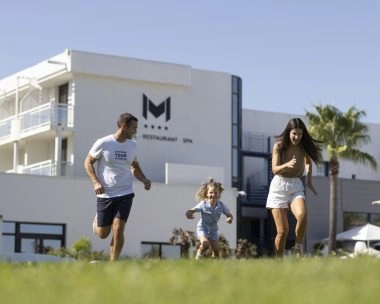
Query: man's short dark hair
[126, 118]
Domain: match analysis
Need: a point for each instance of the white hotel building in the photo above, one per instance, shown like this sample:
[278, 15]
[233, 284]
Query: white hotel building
[191, 126]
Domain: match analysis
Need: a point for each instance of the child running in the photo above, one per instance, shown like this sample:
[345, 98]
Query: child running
[210, 208]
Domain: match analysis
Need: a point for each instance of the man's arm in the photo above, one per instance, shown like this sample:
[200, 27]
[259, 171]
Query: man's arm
[139, 174]
[89, 167]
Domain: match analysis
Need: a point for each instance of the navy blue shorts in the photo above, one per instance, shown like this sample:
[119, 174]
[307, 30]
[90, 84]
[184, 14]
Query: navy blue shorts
[113, 207]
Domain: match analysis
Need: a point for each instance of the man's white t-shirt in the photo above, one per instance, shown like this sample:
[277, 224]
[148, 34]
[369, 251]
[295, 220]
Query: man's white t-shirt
[114, 165]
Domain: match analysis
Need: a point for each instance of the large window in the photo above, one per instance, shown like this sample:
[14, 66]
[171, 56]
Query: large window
[353, 219]
[323, 169]
[28, 237]
[236, 131]
[160, 250]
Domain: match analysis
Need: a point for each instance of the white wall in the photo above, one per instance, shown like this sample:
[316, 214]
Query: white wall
[177, 174]
[154, 214]
[200, 122]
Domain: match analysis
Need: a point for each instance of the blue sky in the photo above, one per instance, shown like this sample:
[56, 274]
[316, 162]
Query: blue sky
[291, 55]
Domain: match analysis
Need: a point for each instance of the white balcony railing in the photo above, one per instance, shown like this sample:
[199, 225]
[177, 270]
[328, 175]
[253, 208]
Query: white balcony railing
[38, 117]
[5, 127]
[47, 168]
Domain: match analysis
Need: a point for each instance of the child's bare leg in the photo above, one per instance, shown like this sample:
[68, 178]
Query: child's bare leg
[202, 247]
[215, 248]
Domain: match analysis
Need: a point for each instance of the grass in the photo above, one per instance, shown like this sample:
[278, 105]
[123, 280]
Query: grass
[309, 280]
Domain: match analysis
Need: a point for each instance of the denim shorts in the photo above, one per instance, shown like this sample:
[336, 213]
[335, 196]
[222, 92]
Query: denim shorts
[283, 191]
[207, 232]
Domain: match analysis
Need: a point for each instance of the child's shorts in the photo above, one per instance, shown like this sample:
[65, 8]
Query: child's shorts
[207, 232]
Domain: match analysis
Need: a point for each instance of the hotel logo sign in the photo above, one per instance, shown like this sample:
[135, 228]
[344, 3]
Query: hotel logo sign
[162, 112]
[156, 111]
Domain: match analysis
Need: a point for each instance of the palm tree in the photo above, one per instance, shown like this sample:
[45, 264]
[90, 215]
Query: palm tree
[342, 135]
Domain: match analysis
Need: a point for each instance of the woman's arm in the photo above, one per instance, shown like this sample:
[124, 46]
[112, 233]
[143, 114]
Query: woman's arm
[277, 167]
[309, 171]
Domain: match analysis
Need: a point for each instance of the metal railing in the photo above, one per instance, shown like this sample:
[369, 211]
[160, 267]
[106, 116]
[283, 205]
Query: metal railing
[256, 142]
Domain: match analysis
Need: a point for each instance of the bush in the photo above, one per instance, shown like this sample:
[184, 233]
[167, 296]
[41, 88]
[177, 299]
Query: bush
[188, 240]
[185, 238]
[245, 249]
[80, 250]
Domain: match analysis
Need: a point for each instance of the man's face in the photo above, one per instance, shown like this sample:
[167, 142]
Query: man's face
[130, 130]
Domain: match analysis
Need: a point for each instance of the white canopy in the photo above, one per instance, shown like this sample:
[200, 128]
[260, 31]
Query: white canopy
[367, 232]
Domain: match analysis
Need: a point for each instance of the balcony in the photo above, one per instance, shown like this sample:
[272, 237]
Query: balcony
[39, 119]
[48, 168]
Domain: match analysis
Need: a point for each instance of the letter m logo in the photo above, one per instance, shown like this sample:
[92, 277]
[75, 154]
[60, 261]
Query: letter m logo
[156, 111]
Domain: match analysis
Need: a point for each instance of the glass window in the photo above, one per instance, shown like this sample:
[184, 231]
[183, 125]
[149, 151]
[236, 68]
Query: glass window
[235, 109]
[35, 228]
[323, 169]
[160, 250]
[8, 244]
[51, 244]
[170, 251]
[9, 227]
[32, 237]
[235, 85]
[236, 130]
[255, 176]
[150, 250]
[234, 162]
[29, 245]
[375, 219]
[353, 219]
[235, 135]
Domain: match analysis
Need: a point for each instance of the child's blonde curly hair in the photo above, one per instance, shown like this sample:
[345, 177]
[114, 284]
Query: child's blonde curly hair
[202, 191]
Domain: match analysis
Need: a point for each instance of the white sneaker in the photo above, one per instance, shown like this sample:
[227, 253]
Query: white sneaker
[95, 223]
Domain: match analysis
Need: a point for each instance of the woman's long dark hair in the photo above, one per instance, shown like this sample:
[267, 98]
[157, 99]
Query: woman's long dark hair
[311, 145]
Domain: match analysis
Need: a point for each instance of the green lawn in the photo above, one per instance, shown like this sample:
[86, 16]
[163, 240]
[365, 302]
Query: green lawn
[309, 280]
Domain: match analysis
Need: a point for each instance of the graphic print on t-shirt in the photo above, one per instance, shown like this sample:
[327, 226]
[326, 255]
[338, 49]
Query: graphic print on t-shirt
[121, 155]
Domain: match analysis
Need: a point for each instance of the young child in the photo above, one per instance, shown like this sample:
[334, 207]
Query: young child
[210, 208]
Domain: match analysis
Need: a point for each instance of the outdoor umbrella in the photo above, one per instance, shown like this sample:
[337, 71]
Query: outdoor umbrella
[367, 232]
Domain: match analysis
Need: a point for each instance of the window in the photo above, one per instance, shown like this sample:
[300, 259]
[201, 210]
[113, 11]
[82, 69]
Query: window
[160, 250]
[32, 237]
[236, 104]
[63, 93]
[323, 169]
[353, 219]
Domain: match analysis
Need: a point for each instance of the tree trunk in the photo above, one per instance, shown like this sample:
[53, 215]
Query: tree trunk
[334, 171]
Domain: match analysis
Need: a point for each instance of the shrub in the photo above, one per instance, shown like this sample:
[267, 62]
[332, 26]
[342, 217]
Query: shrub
[188, 240]
[185, 238]
[80, 250]
[245, 249]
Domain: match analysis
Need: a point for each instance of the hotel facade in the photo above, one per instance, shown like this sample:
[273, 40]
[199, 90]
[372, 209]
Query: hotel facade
[191, 127]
